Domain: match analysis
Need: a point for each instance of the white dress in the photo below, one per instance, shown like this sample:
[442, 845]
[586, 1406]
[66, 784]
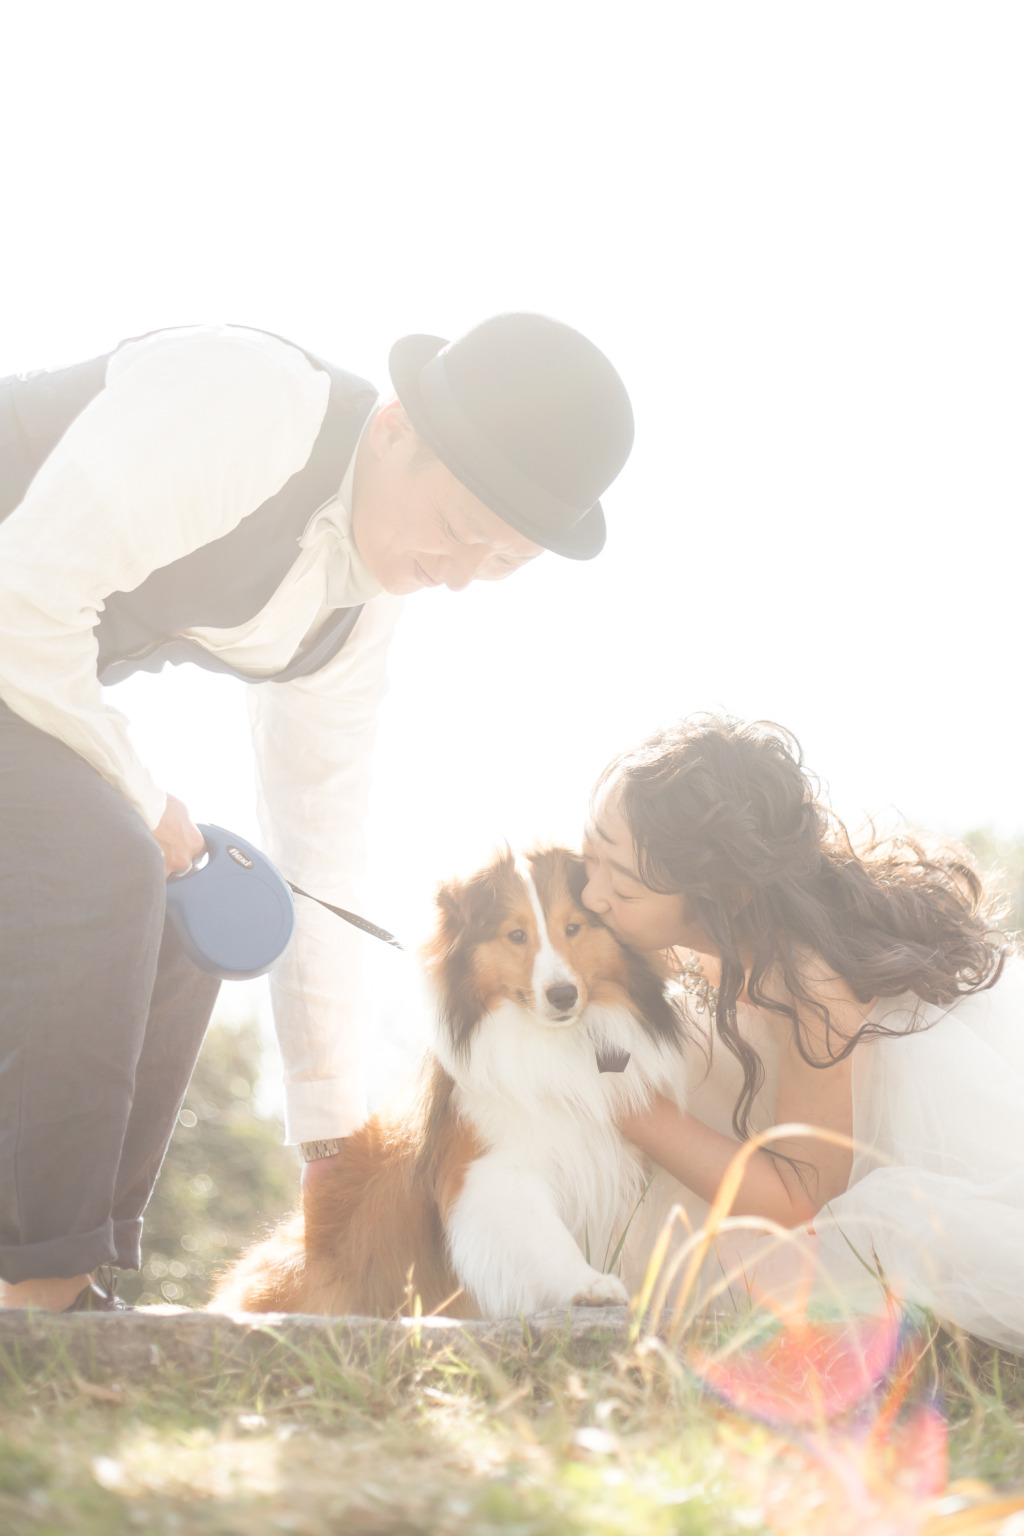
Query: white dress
[936, 1195]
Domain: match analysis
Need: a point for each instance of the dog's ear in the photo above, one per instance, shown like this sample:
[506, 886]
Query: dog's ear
[450, 903]
[469, 908]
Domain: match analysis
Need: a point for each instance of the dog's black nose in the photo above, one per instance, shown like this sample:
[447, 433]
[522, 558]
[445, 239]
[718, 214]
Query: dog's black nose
[562, 997]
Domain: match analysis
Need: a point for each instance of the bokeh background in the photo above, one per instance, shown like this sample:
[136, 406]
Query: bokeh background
[796, 229]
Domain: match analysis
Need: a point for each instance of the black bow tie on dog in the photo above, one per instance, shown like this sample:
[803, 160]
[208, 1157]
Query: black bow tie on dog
[610, 1058]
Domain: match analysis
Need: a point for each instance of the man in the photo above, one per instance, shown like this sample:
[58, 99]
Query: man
[220, 496]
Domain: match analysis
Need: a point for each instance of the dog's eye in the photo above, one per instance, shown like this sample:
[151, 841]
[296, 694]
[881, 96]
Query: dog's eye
[517, 936]
[571, 929]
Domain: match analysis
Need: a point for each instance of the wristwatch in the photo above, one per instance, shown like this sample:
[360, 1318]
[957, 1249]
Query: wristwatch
[311, 1150]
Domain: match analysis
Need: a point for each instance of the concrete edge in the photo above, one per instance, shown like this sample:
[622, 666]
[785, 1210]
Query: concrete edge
[132, 1346]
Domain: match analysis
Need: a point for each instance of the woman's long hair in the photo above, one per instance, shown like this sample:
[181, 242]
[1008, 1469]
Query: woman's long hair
[724, 813]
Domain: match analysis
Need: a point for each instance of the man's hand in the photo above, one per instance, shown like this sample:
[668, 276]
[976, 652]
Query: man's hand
[180, 839]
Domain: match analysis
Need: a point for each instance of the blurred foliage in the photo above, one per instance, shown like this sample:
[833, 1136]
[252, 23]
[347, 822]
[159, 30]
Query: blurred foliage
[225, 1179]
[1002, 862]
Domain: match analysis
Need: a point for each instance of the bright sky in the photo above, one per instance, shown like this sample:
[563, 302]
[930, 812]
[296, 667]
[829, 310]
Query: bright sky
[796, 229]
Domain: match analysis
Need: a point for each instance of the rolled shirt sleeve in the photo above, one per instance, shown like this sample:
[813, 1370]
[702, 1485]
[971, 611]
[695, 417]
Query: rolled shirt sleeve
[313, 739]
[193, 431]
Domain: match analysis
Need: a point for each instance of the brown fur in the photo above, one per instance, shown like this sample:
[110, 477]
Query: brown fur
[370, 1237]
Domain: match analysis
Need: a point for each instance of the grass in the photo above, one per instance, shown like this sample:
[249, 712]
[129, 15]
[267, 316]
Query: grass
[522, 1441]
[755, 1423]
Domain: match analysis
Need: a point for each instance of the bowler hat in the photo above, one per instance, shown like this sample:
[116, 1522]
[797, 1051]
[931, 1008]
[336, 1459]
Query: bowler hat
[529, 416]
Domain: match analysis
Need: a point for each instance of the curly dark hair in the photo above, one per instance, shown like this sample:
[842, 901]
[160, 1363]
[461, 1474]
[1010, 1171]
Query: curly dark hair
[725, 814]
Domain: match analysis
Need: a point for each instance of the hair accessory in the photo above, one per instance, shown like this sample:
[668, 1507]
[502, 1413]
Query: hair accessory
[695, 984]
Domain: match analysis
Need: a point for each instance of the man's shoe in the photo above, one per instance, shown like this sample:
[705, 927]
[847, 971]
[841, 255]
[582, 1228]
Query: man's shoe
[98, 1295]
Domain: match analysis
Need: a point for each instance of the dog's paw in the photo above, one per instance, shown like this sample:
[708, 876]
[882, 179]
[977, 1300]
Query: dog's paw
[603, 1291]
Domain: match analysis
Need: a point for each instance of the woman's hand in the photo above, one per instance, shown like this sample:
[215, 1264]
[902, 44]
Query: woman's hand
[180, 839]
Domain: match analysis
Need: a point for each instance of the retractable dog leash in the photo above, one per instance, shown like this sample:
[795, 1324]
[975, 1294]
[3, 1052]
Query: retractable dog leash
[233, 909]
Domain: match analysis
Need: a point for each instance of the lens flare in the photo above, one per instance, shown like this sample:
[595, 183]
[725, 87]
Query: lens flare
[844, 1445]
[802, 1372]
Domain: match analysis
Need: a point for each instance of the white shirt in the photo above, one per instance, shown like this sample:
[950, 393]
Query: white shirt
[194, 430]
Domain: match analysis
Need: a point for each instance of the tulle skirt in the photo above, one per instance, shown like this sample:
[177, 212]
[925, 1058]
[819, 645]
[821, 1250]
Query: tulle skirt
[934, 1210]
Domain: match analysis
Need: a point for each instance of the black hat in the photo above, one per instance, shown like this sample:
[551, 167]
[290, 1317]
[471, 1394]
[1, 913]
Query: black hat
[529, 416]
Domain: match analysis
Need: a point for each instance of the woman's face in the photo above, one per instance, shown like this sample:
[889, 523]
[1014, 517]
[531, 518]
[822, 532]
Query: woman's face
[644, 919]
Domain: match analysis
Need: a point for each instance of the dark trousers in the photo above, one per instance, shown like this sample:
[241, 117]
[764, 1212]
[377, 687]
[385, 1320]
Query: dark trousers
[101, 1013]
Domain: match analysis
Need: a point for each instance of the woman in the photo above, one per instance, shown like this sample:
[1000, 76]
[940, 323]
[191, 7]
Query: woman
[862, 991]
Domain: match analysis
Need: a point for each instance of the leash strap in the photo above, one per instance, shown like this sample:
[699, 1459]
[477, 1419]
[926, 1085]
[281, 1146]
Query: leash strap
[351, 917]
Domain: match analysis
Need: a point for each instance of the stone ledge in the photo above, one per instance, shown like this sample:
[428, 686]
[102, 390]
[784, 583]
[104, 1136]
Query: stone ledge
[132, 1346]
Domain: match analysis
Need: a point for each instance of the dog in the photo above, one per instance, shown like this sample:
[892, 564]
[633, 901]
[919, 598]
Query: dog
[506, 1187]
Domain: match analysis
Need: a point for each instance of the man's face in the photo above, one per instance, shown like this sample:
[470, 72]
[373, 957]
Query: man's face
[415, 525]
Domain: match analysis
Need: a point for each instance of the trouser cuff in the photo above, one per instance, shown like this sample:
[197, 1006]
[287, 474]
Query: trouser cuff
[115, 1242]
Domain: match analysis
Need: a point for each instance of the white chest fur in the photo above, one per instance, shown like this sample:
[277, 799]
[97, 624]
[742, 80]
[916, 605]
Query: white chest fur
[557, 1179]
